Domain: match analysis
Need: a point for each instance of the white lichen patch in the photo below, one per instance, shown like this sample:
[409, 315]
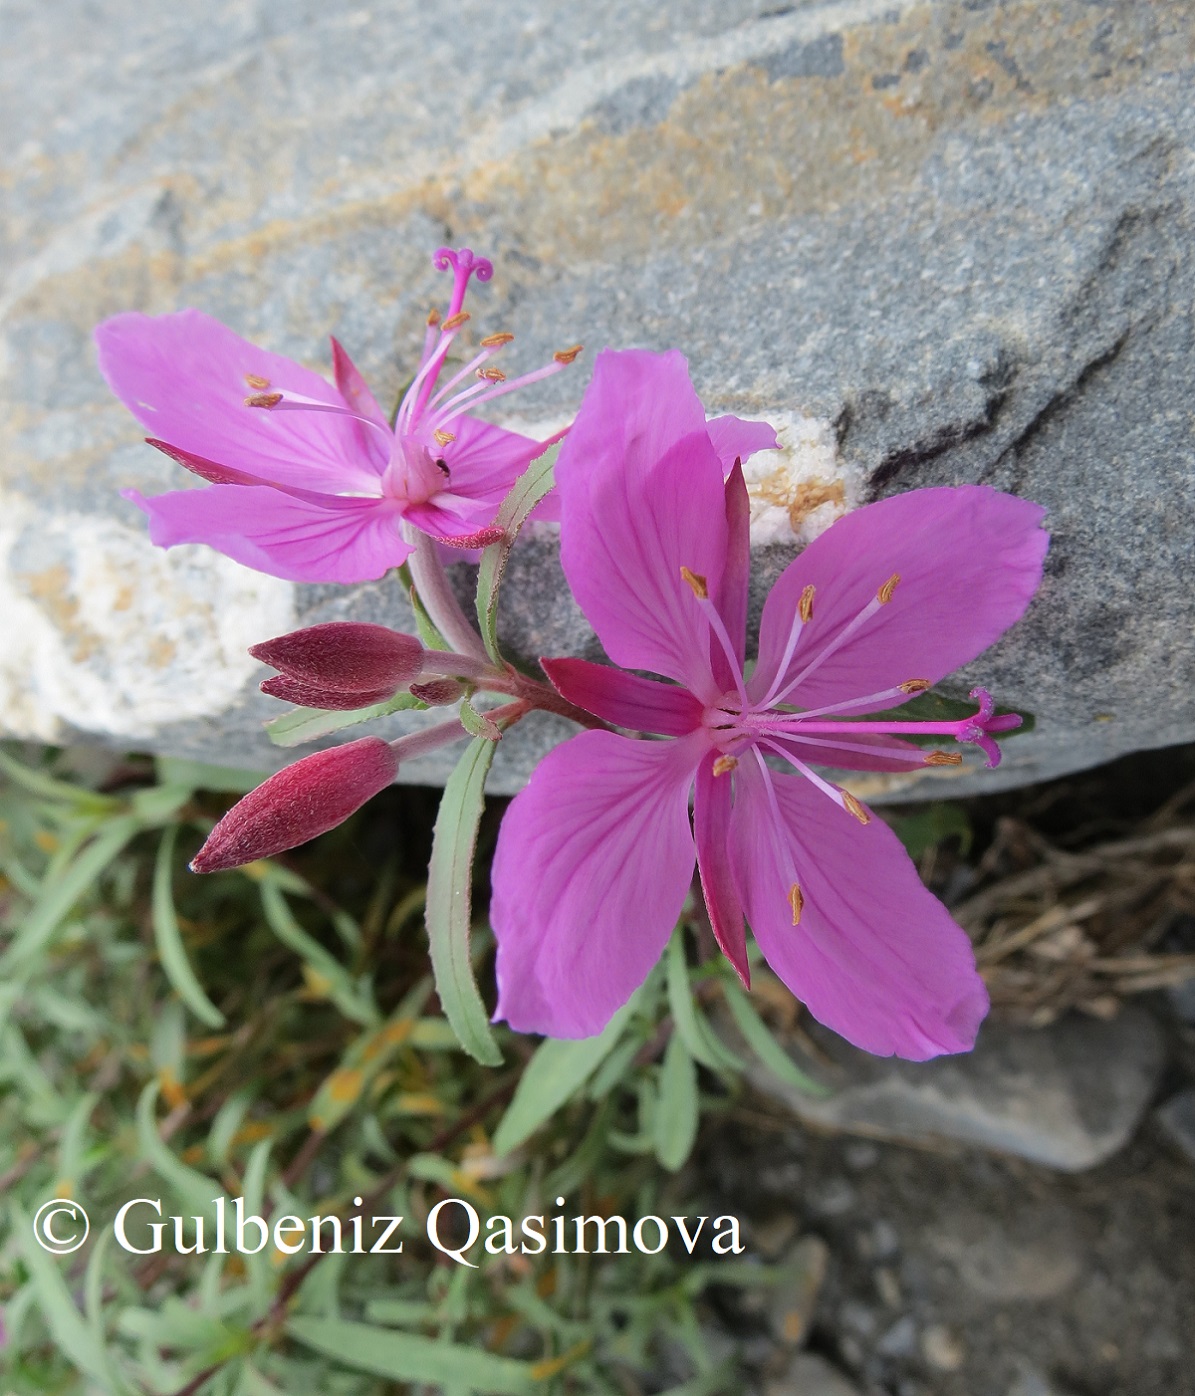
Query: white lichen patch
[105, 633]
[798, 491]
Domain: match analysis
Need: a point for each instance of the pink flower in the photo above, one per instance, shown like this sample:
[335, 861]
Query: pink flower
[595, 857]
[322, 496]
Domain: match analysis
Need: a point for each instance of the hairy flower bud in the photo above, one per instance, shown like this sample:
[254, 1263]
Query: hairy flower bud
[301, 801]
[341, 664]
[308, 695]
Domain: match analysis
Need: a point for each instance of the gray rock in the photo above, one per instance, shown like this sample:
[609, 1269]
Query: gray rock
[810, 1375]
[1177, 1118]
[963, 252]
[1067, 1096]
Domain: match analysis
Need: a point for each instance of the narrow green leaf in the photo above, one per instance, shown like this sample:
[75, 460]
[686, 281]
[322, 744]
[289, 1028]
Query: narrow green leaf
[411, 1358]
[340, 987]
[307, 724]
[169, 938]
[195, 1189]
[201, 775]
[66, 1324]
[38, 783]
[450, 898]
[554, 1075]
[676, 1114]
[59, 894]
[758, 1037]
[525, 494]
[695, 1032]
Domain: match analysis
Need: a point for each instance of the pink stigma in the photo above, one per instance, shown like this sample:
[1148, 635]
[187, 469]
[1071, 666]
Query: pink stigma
[978, 728]
[464, 265]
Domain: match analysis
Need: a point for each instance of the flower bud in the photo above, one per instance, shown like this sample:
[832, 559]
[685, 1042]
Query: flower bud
[437, 692]
[368, 662]
[308, 695]
[301, 801]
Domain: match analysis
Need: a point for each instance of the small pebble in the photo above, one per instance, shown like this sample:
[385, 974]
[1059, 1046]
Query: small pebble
[888, 1287]
[900, 1340]
[942, 1348]
[833, 1198]
[858, 1318]
[861, 1155]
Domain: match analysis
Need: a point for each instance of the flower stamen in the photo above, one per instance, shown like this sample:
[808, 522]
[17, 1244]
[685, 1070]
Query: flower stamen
[796, 901]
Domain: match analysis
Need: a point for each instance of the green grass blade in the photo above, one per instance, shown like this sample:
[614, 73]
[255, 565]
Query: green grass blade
[412, 1358]
[557, 1071]
[759, 1038]
[169, 939]
[677, 1112]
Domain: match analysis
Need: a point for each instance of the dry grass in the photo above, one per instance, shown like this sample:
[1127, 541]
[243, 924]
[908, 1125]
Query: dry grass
[1082, 925]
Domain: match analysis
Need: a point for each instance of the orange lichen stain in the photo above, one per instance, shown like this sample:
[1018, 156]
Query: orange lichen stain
[162, 652]
[799, 500]
[51, 590]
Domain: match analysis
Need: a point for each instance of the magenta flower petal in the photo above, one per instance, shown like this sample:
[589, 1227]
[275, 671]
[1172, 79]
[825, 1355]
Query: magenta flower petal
[643, 498]
[969, 560]
[355, 390]
[186, 376]
[736, 577]
[484, 460]
[711, 829]
[735, 439]
[301, 801]
[594, 860]
[341, 540]
[875, 956]
[624, 699]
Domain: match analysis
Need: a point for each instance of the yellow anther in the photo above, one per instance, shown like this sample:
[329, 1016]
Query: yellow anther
[884, 595]
[566, 356]
[805, 605]
[854, 807]
[263, 400]
[255, 380]
[433, 316]
[944, 758]
[496, 341]
[444, 438]
[493, 375]
[698, 583]
[796, 901]
[454, 322]
[725, 764]
[915, 685]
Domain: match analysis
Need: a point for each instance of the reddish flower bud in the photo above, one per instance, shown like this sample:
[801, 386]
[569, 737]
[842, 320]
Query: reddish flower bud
[306, 799]
[346, 657]
[308, 695]
[437, 692]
